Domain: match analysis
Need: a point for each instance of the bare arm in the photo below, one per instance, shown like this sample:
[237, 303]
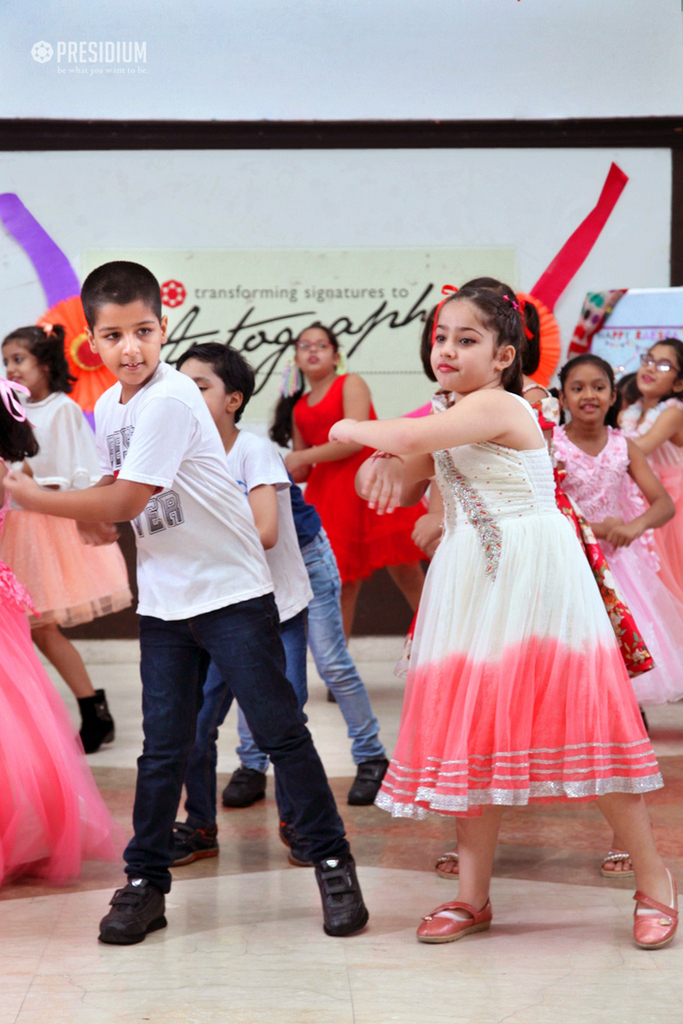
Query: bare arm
[486, 415]
[386, 483]
[661, 509]
[108, 501]
[429, 527]
[263, 501]
[668, 427]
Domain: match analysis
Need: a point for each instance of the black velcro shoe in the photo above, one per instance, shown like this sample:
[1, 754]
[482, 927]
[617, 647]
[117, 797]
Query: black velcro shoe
[365, 788]
[190, 844]
[343, 909]
[136, 909]
[245, 787]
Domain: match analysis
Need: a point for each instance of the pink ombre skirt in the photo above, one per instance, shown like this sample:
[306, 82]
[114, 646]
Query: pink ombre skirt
[516, 688]
[70, 582]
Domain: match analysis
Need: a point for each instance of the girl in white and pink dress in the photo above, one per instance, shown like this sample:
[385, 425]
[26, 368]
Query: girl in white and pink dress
[516, 689]
[601, 467]
[51, 815]
[655, 423]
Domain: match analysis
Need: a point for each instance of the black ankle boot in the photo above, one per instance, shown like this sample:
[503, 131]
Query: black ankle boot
[97, 724]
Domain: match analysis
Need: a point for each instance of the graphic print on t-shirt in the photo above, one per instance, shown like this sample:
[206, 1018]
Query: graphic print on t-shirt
[163, 510]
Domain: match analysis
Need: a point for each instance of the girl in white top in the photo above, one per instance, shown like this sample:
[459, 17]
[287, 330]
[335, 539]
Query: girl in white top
[516, 689]
[69, 580]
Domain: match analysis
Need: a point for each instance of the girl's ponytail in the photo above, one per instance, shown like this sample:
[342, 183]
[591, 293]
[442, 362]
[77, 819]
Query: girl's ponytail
[281, 430]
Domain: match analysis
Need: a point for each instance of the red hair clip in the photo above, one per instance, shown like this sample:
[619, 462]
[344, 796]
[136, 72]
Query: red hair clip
[449, 290]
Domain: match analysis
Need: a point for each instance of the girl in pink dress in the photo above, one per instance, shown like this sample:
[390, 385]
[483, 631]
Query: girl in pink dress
[655, 423]
[51, 814]
[516, 689]
[70, 581]
[600, 465]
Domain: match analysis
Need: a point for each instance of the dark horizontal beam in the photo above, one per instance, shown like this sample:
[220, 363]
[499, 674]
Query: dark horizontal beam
[44, 134]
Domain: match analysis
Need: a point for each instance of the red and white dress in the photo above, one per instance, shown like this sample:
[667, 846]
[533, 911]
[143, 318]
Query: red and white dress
[516, 689]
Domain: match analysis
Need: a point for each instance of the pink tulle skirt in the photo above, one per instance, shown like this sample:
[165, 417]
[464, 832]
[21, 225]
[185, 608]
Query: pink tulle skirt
[51, 814]
[659, 617]
[70, 582]
[669, 538]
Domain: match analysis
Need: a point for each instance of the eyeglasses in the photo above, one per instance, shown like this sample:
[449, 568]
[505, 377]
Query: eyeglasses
[313, 346]
[663, 365]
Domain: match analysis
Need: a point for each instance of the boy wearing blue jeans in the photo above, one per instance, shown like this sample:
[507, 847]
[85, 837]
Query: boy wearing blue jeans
[205, 593]
[297, 551]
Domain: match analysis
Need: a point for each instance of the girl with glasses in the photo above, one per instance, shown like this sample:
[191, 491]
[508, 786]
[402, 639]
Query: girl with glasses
[654, 421]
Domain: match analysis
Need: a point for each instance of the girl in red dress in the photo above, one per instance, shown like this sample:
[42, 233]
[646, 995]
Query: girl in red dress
[361, 540]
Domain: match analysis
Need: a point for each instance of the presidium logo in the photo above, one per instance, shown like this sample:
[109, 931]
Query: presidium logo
[81, 52]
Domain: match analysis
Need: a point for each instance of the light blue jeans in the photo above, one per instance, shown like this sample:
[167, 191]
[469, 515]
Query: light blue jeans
[332, 659]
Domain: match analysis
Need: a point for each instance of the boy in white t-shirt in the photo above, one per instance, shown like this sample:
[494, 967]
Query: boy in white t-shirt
[205, 593]
[227, 382]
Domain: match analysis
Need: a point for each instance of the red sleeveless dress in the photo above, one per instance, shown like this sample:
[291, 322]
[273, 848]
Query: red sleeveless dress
[361, 540]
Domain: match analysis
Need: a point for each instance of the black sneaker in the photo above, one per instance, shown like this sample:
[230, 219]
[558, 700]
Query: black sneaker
[343, 909]
[97, 725]
[191, 844]
[295, 855]
[245, 787]
[136, 909]
[365, 788]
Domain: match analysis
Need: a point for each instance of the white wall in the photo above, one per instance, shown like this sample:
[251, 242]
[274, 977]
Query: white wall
[531, 200]
[336, 59]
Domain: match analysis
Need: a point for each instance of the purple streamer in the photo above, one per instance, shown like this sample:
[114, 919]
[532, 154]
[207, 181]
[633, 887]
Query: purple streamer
[56, 274]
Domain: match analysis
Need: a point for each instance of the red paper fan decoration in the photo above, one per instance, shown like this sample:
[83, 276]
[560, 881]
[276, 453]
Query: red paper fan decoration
[551, 343]
[92, 376]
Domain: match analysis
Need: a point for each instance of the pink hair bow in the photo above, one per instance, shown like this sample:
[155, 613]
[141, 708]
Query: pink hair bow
[10, 400]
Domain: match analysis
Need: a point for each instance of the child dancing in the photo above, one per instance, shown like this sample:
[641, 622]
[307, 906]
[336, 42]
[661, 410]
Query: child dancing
[516, 689]
[205, 593]
[70, 581]
[598, 463]
[362, 542]
[654, 421]
[51, 814]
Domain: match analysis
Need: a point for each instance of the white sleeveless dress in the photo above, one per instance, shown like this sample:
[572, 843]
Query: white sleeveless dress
[516, 689]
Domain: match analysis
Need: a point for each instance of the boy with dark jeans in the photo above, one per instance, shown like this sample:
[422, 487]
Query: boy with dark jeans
[205, 593]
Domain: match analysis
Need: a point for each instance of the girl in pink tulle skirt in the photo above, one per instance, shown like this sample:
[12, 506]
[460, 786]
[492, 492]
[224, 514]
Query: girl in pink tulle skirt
[655, 423]
[70, 581]
[516, 689]
[51, 814]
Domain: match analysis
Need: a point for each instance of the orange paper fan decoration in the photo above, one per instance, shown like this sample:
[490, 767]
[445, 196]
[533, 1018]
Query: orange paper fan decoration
[92, 376]
[550, 341]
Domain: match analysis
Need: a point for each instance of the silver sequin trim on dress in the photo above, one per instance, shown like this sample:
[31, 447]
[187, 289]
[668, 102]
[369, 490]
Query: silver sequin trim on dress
[475, 509]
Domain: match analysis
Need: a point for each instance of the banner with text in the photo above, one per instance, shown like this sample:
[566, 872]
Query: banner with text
[375, 301]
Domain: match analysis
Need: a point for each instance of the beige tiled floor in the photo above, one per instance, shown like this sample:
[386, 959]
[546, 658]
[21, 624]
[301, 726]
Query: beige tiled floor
[244, 943]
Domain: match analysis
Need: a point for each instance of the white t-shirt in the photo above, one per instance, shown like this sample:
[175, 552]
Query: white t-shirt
[253, 461]
[198, 547]
[67, 458]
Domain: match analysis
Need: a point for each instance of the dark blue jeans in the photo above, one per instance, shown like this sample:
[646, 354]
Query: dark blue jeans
[200, 774]
[244, 642]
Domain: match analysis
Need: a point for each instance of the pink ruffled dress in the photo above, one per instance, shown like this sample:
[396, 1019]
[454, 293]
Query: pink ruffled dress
[51, 815]
[516, 689]
[601, 487]
[667, 462]
[70, 582]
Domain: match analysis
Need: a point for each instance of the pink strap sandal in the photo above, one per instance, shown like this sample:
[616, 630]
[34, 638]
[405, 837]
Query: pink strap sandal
[445, 925]
[654, 924]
